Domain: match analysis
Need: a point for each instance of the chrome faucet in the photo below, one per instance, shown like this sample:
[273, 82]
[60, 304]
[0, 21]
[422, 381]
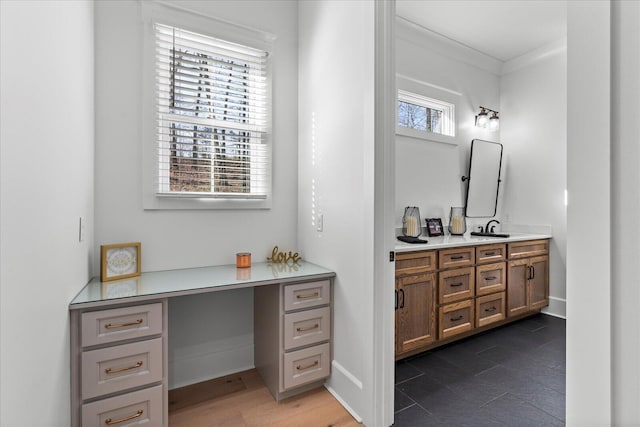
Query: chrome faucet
[491, 230]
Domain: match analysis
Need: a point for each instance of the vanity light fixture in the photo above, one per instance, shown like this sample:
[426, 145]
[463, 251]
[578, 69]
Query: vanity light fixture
[484, 121]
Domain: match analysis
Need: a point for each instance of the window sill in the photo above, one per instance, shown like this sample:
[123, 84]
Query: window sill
[154, 202]
[426, 136]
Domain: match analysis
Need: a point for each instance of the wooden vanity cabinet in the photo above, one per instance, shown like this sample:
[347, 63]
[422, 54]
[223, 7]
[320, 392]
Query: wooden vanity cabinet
[471, 289]
[527, 277]
[415, 301]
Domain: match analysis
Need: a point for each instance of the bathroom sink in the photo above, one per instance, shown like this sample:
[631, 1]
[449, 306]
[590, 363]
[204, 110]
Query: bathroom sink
[481, 234]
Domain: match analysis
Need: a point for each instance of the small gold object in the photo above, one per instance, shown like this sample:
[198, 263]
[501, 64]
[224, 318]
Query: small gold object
[115, 371]
[122, 325]
[314, 295]
[283, 257]
[302, 368]
[243, 259]
[308, 328]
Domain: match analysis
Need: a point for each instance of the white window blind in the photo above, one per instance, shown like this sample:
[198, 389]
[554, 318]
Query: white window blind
[212, 117]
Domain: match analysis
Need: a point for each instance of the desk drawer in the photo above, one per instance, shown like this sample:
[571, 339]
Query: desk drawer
[306, 365]
[142, 407]
[456, 318]
[307, 327]
[105, 326]
[455, 285]
[491, 278]
[306, 295]
[489, 309]
[122, 367]
[456, 257]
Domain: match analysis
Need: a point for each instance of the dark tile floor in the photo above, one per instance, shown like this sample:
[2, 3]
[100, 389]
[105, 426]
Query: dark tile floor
[510, 376]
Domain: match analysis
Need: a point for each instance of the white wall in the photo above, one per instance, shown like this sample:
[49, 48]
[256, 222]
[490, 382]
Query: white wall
[588, 182]
[428, 173]
[46, 185]
[180, 239]
[625, 204]
[336, 179]
[533, 101]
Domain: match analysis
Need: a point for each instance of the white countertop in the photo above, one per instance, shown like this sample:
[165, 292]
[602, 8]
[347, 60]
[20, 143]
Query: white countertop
[442, 242]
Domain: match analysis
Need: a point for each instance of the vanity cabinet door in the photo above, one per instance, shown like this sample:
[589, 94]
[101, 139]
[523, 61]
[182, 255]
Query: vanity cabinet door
[517, 295]
[539, 282]
[415, 313]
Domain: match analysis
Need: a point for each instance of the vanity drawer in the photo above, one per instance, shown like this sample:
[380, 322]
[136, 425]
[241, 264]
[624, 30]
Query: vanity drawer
[456, 318]
[415, 262]
[456, 257]
[105, 326]
[306, 365]
[307, 327]
[491, 278]
[143, 407]
[490, 309]
[528, 249]
[306, 295]
[491, 253]
[121, 367]
[456, 285]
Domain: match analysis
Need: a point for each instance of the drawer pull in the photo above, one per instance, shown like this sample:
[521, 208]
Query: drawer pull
[122, 325]
[115, 371]
[490, 278]
[455, 285]
[489, 253]
[111, 422]
[303, 368]
[308, 328]
[457, 257]
[455, 319]
[489, 310]
[313, 295]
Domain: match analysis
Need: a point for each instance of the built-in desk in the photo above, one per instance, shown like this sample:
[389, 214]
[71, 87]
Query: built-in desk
[119, 365]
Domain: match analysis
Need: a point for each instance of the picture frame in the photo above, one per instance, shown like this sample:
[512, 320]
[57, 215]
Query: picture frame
[120, 261]
[434, 227]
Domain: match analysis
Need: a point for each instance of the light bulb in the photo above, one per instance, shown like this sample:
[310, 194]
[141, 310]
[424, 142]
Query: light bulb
[494, 121]
[482, 118]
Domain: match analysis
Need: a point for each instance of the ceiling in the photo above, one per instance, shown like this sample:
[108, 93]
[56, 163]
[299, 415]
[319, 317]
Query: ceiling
[501, 29]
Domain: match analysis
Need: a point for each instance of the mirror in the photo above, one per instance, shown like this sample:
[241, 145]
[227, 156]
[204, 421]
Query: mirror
[483, 180]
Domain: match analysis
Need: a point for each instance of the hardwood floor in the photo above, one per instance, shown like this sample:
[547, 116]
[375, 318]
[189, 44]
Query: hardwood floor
[243, 400]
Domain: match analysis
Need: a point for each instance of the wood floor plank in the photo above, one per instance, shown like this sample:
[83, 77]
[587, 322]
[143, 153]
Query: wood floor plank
[242, 400]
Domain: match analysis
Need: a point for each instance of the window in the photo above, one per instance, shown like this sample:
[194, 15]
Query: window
[422, 114]
[212, 117]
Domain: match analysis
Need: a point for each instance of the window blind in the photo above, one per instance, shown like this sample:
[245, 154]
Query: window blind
[213, 115]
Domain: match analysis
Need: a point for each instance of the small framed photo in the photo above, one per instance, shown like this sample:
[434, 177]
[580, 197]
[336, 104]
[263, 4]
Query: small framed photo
[434, 227]
[119, 261]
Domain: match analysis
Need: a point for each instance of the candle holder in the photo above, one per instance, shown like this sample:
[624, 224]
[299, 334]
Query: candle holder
[457, 223]
[411, 225]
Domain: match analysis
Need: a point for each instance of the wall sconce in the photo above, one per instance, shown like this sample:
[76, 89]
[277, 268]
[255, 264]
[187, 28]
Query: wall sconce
[483, 120]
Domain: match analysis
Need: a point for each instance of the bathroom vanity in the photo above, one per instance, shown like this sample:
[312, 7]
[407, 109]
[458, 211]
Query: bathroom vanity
[454, 287]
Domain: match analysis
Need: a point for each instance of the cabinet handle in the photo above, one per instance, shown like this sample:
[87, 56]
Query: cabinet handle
[302, 368]
[489, 253]
[454, 319]
[457, 257]
[111, 422]
[455, 285]
[533, 272]
[490, 278]
[402, 301]
[122, 325]
[115, 371]
[313, 295]
[308, 328]
[489, 310]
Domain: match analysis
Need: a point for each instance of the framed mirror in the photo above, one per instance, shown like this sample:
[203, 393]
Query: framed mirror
[483, 179]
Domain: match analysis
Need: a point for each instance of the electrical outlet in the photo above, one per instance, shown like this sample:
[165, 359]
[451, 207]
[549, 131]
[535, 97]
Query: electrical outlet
[81, 230]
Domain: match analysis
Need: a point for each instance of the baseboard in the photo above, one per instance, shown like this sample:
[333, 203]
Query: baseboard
[557, 307]
[343, 383]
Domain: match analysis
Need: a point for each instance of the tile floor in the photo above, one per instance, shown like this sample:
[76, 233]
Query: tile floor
[510, 376]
